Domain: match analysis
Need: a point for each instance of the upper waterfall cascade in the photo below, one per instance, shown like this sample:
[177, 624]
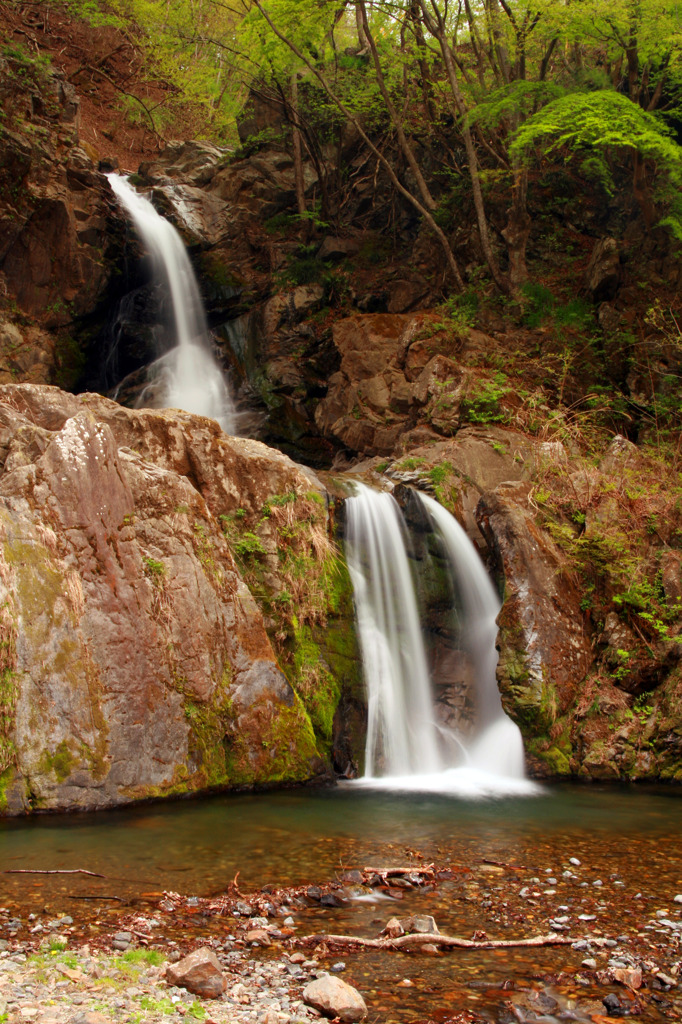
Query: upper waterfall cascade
[407, 748]
[186, 376]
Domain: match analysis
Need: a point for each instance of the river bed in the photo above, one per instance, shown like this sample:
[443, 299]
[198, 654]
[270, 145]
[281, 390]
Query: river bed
[511, 877]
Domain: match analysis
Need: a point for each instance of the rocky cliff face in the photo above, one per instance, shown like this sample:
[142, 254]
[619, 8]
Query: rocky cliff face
[135, 660]
[341, 363]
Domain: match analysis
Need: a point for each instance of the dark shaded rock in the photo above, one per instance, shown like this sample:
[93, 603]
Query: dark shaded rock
[335, 249]
[544, 652]
[603, 273]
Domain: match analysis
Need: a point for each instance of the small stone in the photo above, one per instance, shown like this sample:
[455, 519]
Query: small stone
[665, 980]
[393, 928]
[200, 973]
[422, 924]
[630, 977]
[598, 882]
[678, 898]
[574, 861]
[340, 966]
[590, 962]
[587, 917]
[335, 998]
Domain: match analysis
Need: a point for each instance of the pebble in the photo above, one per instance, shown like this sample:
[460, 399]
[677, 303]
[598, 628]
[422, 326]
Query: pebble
[678, 898]
[574, 861]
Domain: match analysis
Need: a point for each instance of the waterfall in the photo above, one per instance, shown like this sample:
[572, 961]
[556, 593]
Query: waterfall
[186, 376]
[399, 703]
[406, 748]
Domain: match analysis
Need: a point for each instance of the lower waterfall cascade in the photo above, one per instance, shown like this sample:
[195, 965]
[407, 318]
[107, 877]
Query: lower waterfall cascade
[406, 747]
[186, 376]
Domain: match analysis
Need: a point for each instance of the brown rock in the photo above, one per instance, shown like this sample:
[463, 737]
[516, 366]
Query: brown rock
[125, 608]
[200, 973]
[406, 294]
[631, 977]
[420, 924]
[544, 652]
[602, 276]
[393, 928]
[335, 998]
[337, 248]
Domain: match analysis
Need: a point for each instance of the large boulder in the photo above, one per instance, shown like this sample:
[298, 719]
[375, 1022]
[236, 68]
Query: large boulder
[135, 661]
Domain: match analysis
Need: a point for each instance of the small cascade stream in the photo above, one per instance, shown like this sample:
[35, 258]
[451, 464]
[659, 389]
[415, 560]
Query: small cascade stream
[186, 375]
[406, 748]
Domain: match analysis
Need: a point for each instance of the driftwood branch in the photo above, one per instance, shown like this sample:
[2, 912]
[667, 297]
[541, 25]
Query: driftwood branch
[446, 941]
[389, 872]
[51, 871]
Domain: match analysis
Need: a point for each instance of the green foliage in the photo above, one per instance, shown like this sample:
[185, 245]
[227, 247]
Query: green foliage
[8, 702]
[151, 957]
[513, 101]
[249, 545]
[540, 306]
[154, 569]
[482, 403]
[596, 120]
[581, 122]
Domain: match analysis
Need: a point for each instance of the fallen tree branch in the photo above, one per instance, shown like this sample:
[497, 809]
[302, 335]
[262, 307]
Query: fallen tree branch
[447, 941]
[52, 871]
[388, 872]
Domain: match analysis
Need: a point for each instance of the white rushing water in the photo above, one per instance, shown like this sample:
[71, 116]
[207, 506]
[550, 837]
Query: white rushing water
[187, 375]
[406, 749]
[401, 726]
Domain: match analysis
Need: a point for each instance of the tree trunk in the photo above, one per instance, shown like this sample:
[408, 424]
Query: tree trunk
[517, 231]
[362, 38]
[296, 143]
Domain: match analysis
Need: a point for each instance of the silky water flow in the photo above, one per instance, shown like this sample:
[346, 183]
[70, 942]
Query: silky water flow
[186, 376]
[406, 747]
